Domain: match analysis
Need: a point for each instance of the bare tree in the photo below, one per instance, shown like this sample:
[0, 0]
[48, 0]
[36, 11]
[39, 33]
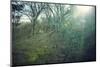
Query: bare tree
[32, 11]
[57, 14]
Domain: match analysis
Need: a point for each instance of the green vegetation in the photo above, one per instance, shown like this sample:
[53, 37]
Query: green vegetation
[55, 34]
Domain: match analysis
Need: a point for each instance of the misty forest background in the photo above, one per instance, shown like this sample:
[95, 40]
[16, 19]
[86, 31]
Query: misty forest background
[52, 33]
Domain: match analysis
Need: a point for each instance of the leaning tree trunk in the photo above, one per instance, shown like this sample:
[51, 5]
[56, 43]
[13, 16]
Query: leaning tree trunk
[34, 22]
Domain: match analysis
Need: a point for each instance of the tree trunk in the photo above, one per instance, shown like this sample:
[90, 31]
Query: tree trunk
[33, 26]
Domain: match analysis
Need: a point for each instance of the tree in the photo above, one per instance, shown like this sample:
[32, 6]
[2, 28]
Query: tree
[57, 14]
[17, 7]
[32, 11]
